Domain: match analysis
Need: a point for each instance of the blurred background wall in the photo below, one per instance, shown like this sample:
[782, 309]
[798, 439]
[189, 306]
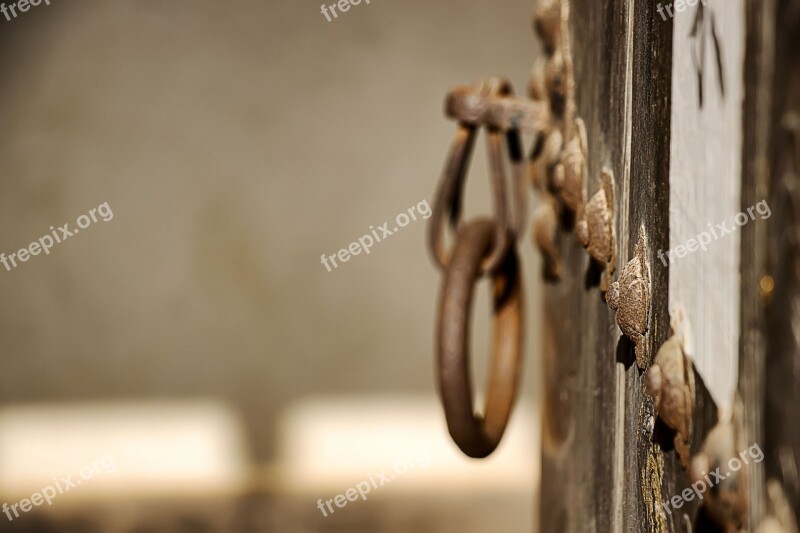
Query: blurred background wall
[235, 143]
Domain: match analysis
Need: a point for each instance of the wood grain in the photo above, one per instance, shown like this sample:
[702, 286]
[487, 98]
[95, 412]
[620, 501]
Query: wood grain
[603, 467]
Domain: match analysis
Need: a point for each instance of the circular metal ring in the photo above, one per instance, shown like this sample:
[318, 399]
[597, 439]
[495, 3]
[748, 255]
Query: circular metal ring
[478, 435]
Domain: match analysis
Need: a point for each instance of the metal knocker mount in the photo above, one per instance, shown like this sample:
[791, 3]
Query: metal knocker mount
[483, 247]
[555, 168]
[486, 104]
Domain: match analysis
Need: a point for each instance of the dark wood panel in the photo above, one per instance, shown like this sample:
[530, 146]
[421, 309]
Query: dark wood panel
[759, 64]
[782, 398]
[599, 454]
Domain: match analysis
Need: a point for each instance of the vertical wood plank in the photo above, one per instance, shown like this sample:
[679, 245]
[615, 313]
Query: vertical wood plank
[759, 69]
[782, 398]
[602, 470]
[770, 345]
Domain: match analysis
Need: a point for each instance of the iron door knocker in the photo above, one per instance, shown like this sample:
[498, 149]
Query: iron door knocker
[483, 247]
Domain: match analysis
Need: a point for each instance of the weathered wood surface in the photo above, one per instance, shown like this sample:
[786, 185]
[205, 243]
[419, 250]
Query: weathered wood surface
[782, 398]
[770, 346]
[603, 467]
[759, 64]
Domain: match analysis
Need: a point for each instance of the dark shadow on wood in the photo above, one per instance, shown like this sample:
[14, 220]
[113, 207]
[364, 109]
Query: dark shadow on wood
[706, 414]
[593, 274]
[626, 353]
[567, 220]
[664, 436]
[705, 524]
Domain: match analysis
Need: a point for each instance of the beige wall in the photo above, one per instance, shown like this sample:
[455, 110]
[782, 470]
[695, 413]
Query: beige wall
[235, 142]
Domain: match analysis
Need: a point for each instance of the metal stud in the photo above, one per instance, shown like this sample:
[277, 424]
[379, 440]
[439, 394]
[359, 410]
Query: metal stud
[630, 297]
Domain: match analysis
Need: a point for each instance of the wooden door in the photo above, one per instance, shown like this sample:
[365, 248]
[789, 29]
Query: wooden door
[692, 112]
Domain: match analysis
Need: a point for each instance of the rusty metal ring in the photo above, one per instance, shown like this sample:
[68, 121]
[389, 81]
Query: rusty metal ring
[449, 195]
[478, 435]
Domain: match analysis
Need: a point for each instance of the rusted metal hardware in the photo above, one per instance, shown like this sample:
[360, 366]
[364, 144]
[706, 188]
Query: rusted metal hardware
[560, 158]
[726, 494]
[630, 296]
[568, 174]
[670, 381]
[546, 156]
[780, 518]
[550, 21]
[482, 247]
[595, 230]
[547, 24]
[503, 112]
[546, 219]
[545, 229]
[484, 105]
[479, 435]
[547, 86]
[557, 168]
